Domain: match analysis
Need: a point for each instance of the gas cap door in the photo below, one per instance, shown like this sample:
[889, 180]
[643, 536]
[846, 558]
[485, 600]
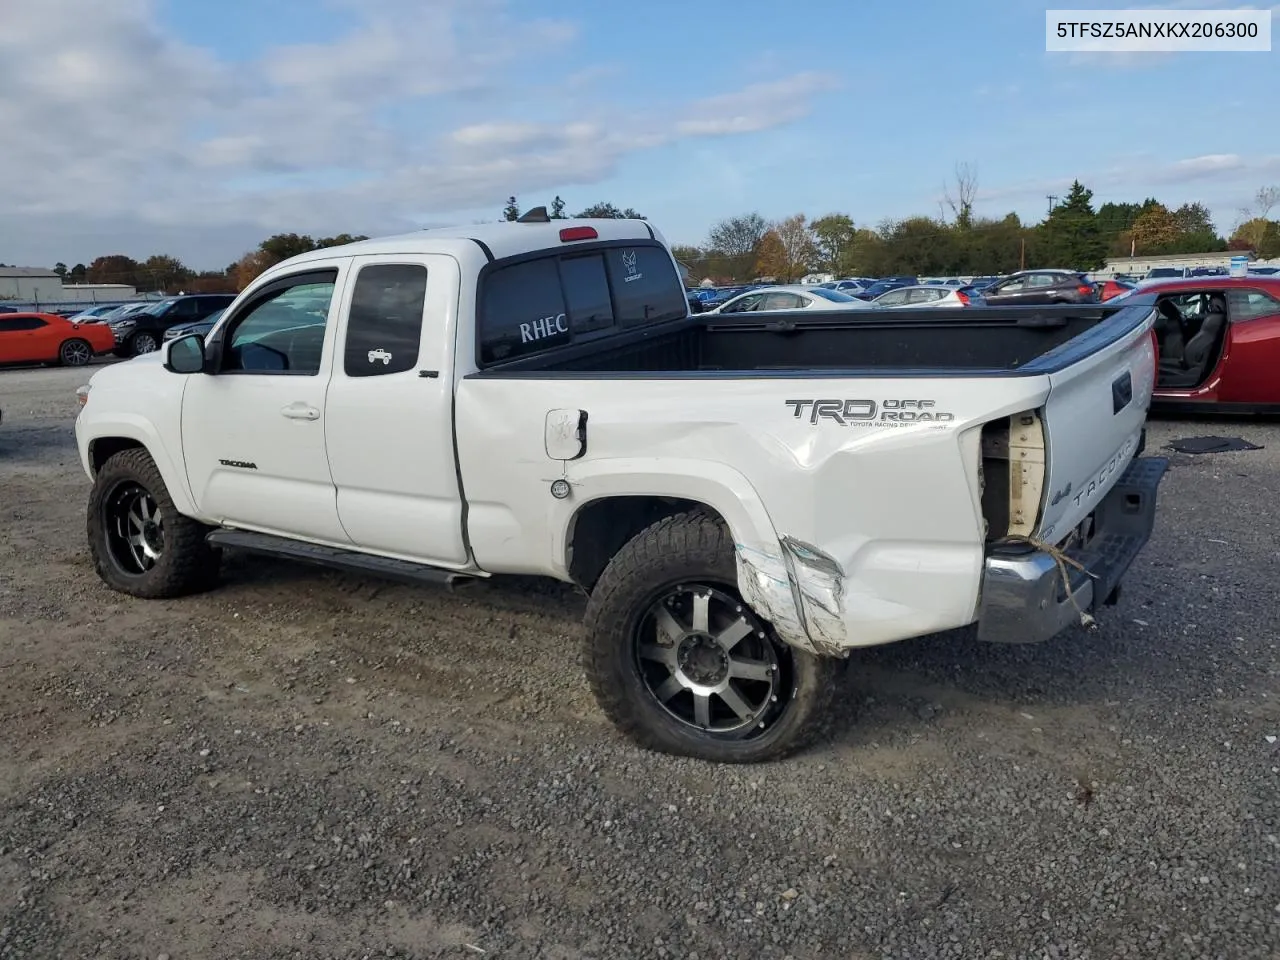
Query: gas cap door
[566, 434]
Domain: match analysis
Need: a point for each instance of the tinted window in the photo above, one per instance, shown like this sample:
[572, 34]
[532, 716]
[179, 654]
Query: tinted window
[282, 331]
[23, 323]
[748, 303]
[586, 291]
[782, 301]
[523, 311]
[646, 287]
[833, 295]
[384, 328]
[1244, 304]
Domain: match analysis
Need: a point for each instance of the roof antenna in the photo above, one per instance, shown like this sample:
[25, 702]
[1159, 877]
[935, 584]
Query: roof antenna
[536, 215]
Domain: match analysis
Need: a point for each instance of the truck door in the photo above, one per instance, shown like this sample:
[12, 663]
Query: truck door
[253, 432]
[389, 412]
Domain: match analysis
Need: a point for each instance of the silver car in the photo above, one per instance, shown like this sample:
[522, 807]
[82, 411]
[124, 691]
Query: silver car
[925, 295]
[790, 297]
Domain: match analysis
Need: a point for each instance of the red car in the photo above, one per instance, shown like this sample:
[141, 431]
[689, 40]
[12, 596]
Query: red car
[47, 338]
[1219, 342]
[1113, 288]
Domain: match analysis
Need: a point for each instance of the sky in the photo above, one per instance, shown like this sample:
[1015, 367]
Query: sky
[198, 127]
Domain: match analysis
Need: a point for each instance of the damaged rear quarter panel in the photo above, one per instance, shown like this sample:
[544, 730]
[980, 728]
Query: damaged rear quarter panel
[847, 533]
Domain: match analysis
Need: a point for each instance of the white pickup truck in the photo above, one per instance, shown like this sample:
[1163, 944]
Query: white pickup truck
[747, 498]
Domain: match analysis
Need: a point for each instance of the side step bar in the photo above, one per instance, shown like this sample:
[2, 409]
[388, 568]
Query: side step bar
[336, 558]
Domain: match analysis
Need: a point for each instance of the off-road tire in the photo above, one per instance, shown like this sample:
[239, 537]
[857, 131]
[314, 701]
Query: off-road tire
[687, 548]
[187, 564]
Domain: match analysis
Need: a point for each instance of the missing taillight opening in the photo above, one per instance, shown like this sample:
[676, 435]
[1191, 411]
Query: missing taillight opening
[1012, 475]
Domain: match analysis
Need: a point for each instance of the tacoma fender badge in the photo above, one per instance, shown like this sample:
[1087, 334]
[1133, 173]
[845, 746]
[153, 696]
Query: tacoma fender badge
[239, 464]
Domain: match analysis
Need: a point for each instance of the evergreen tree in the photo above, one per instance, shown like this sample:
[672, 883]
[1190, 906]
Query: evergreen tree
[1071, 236]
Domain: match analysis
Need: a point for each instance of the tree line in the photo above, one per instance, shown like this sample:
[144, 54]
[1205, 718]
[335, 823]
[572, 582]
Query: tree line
[1073, 235]
[953, 242]
[162, 273]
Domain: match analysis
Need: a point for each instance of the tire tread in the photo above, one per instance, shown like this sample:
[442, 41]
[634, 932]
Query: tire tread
[189, 564]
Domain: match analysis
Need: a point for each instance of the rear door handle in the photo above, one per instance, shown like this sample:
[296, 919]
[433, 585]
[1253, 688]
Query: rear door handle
[300, 411]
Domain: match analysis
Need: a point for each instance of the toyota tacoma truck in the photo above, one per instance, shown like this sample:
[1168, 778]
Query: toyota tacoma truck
[745, 498]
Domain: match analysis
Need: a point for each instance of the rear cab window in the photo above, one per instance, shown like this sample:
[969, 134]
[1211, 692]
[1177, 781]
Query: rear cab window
[557, 298]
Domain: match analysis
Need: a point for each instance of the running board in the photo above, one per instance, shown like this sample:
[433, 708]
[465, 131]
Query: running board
[349, 561]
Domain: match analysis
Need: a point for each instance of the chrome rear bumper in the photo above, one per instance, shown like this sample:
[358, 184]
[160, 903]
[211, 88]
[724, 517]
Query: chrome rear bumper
[1024, 599]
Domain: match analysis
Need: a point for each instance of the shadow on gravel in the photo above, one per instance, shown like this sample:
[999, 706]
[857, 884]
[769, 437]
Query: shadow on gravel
[548, 596]
[24, 443]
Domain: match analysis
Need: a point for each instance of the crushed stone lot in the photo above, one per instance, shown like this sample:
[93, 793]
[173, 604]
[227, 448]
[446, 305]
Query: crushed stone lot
[309, 764]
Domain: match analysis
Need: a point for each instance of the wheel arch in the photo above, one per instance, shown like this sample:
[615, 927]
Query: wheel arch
[620, 499]
[129, 435]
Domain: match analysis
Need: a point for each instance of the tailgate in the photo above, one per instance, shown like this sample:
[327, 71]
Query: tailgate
[1094, 418]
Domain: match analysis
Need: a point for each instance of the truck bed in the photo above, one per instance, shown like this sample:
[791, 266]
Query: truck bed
[923, 342]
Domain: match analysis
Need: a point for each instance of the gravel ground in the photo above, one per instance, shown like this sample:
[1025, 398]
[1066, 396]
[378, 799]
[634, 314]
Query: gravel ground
[306, 764]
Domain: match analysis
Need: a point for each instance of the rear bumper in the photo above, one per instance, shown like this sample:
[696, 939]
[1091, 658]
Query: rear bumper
[1023, 597]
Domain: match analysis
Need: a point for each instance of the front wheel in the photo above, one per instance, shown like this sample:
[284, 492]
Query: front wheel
[75, 353]
[143, 343]
[141, 545]
[681, 665]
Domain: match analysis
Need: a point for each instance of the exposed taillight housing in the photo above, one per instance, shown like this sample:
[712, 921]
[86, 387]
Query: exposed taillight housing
[569, 234]
[1011, 475]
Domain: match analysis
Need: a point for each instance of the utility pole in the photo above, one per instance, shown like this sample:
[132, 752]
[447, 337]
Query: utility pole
[1022, 258]
[1052, 199]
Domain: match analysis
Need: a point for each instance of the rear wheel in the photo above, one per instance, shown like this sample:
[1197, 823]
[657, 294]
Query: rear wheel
[681, 665]
[75, 353]
[141, 545]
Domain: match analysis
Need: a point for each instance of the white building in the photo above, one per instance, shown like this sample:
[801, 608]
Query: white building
[1138, 266]
[29, 283]
[96, 292]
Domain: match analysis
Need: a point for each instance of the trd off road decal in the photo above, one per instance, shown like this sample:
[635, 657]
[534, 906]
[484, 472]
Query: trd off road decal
[872, 413]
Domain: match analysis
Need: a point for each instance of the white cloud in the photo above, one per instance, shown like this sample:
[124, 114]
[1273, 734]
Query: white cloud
[422, 108]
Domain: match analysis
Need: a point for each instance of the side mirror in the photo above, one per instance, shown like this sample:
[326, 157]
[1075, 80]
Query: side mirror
[184, 354]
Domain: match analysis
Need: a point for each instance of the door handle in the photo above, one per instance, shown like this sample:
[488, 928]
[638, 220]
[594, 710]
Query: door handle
[300, 411]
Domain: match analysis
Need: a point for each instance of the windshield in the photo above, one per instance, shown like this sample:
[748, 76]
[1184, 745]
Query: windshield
[158, 308]
[833, 295]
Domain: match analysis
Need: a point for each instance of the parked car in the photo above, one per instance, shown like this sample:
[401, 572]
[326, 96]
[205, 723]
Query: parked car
[931, 295]
[1036, 287]
[851, 287]
[203, 327]
[789, 297]
[885, 285]
[142, 330]
[49, 338]
[1113, 288]
[723, 487]
[94, 314]
[1219, 343]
